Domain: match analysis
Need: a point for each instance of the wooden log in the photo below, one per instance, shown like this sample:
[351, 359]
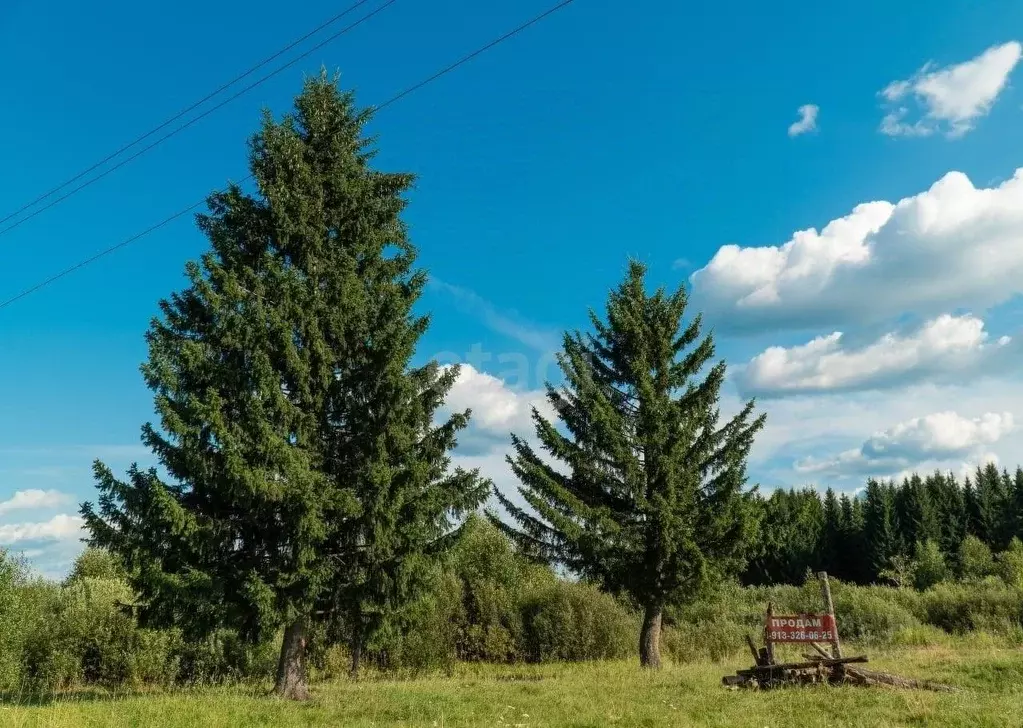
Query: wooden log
[753, 650]
[830, 606]
[870, 677]
[735, 680]
[774, 669]
[821, 651]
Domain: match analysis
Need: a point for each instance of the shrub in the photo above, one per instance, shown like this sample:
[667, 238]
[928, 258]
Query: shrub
[1010, 564]
[576, 621]
[872, 614]
[714, 640]
[988, 605]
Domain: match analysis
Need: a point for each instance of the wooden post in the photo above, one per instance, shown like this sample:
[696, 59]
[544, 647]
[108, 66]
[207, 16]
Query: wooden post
[767, 635]
[836, 648]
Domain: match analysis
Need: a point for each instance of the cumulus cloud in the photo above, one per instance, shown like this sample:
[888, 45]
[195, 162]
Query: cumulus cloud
[33, 499]
[59, 528]
[934, 438]
[947, 348]
[948, 99]
[496, 407]
[951, 246]
[807, 120]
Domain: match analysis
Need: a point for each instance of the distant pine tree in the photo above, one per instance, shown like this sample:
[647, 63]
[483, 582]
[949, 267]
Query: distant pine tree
[832, 536]
[653, 502]
[948, 499]
[880, 537]
[915, 514]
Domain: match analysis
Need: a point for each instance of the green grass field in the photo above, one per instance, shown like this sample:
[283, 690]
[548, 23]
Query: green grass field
[596, 694]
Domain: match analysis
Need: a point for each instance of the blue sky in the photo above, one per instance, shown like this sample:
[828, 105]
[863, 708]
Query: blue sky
[646, 129]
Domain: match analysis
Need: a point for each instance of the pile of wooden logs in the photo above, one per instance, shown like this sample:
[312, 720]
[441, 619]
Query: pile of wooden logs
[772, 675]
[819, 667]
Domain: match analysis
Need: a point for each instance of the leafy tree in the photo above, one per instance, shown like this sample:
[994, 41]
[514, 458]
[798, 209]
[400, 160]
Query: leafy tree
[1010, 564]
[653, 504]
[929, 566]
[975, 559]
[94, 563]
[307, 480]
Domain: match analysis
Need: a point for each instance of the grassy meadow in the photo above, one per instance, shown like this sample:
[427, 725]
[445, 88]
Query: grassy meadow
[613, 693]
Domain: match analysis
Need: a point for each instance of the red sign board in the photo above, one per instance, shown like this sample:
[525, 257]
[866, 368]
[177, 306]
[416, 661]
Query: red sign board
[800, 628]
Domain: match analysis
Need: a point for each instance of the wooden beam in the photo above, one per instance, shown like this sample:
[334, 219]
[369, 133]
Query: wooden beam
[830, 662]
[820, 650]
[836, 648]
[753, 650]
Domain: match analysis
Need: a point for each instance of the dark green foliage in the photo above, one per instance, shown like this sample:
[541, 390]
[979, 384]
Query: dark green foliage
[307, 479]
[654, 504]
[915, 514]
[832, 535]
[879, 528]
[791, 538]
[948, 499]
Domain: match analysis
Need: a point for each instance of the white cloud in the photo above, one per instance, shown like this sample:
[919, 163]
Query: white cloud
[952, 246]
[33, 499]
[951, 98]
[496, 407]
[935, 438]
[807, 120]
[946, 348]
[59, 528]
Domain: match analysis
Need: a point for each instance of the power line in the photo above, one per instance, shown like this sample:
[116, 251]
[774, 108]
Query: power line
[187, 124]
[183, 112]
[181, 213]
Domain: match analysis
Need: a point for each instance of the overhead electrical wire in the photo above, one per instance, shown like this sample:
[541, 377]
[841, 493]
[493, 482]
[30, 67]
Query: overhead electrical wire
[177, 130]
[181, 213]
[182, 112]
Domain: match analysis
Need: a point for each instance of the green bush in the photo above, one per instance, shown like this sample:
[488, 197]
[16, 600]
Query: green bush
[986, 605]
[714, 640]
[576, 621]
[1010, 564]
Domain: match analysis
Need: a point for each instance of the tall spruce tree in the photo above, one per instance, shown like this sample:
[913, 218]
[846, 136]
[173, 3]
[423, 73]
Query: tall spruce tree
[307, 478]
[879, 532]
[654, 504]
[854, 555]
[915, 514]
[949, 509]
[832, 537]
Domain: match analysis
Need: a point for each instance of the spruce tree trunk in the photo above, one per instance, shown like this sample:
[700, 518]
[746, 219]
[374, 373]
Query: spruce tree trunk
[650, 638]
[291, 677]
[356, 657]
